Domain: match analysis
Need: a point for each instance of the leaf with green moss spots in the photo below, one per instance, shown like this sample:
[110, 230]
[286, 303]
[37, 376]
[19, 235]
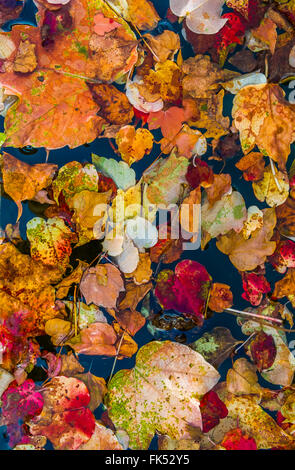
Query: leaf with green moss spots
[50, 241]
[73, 178]
[166, 179]
[161, 393]
[228, 213]
[215, 346]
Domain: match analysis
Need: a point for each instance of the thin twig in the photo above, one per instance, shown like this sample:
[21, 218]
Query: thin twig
[116, 357]
[274, 175]
[255, 315]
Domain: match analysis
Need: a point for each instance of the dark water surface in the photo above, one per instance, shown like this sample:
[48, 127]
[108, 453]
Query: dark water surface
[217, 264]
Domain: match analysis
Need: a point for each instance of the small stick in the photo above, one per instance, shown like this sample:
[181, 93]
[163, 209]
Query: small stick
[254, 315]
[245, 342]
[116, 357]
[75, 311]
[274, 175]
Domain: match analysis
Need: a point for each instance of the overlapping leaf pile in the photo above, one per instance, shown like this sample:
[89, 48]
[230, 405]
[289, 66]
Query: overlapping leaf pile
[88, 273]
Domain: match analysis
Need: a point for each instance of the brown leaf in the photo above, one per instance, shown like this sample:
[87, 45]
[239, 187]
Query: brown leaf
[114, 105]
[134, 294]
[25, 60]
[246, 255]
[23, 181]
[101, 285]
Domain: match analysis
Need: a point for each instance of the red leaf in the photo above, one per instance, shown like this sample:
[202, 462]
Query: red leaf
[263, 350]
[237, 440]
[199, 173]
[185, 290]
[212, 410]
[254, 286]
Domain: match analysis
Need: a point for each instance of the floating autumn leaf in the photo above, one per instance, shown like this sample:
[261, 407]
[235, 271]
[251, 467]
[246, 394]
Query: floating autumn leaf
[130, 320]
[59, 330]
[102, 439]
[101, 285]
[73, 178]
[203, 77]
[104, 25]
[212, 410]
[242, 379]
[199, 174]
[170, 407]
[65, 420]
[263, 118]
[166, 443]
[162, 83]
[26, 288]
[65, 284]
[189, 142]
[140, 12]
[169, 121]
[122, 175]
[143, 272]
[284, 287]
[106, 57]
[18, 404]
[134, 294]
[220, 187]
[252, 165]
[254, 221]
[266, 33]
[281, 371]
[23, 181]
[246, 255]
[229, 213]
[202, 17]
[90, 214]
[273, 188]
[284, 256]
[133, 143]
[125, 346]
[237, 440]
[168, 248]
[114, 105]
[70, 365]
[220, 298]
[25, 60]
[96, 387]
[254, 421]
[216, 345]
[263, 350]
[51, 113]
[286, 221]
[97, 339]
[50, 241]
[164, 45]
[165, 180]
[5, 379]
[185, 289]
[254, 286]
